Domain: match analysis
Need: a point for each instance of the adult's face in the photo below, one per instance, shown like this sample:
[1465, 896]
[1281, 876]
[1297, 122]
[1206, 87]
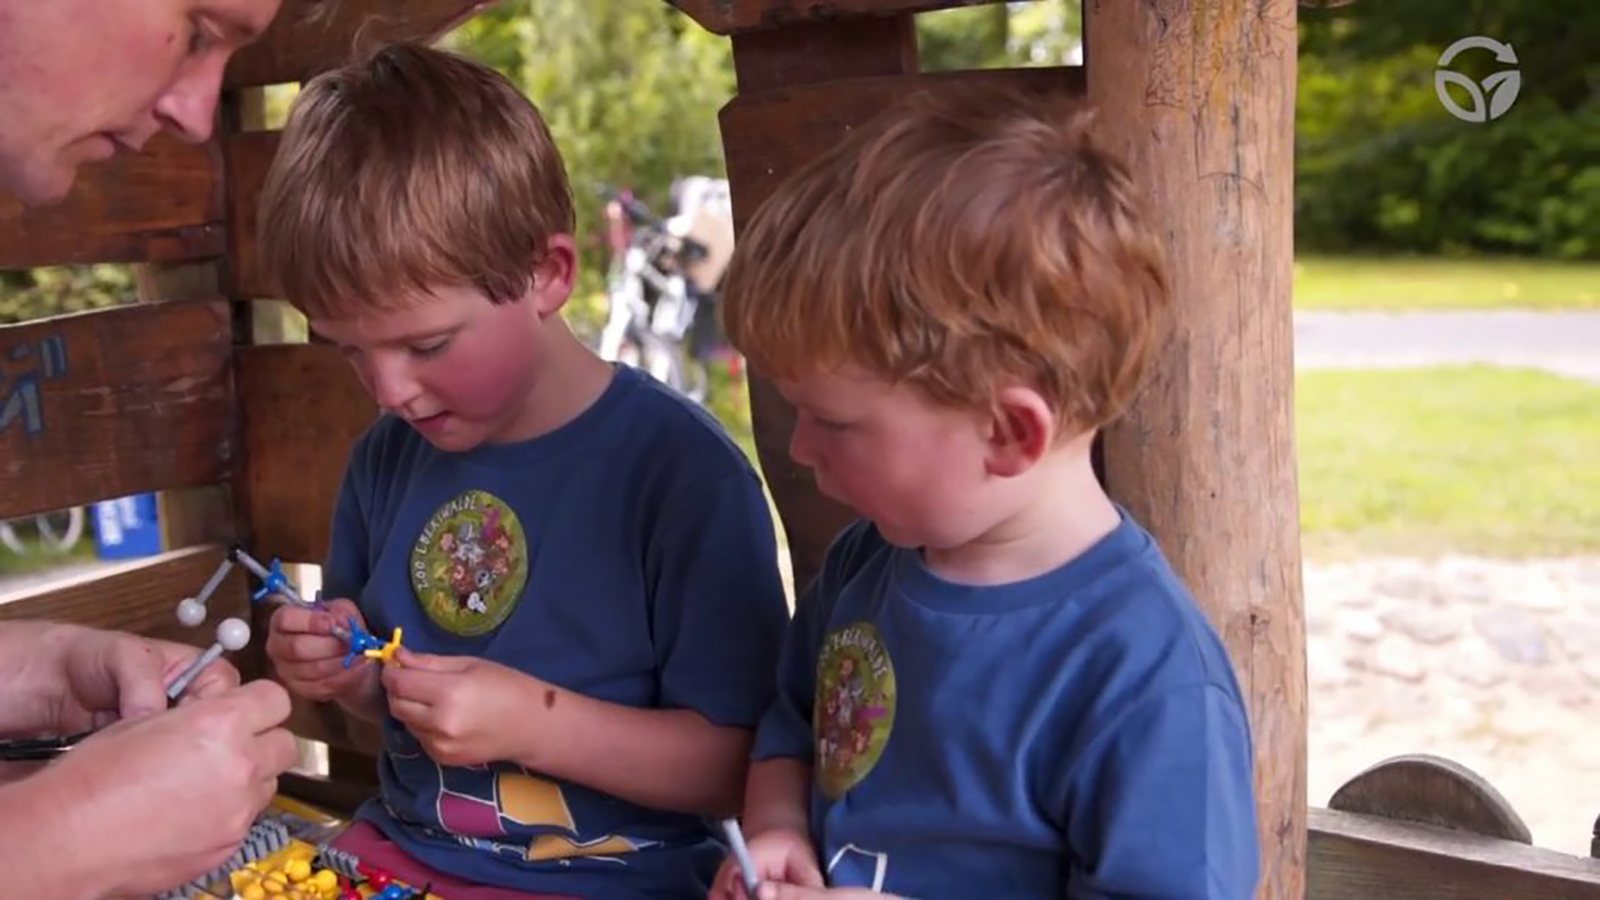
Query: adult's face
[84, 80]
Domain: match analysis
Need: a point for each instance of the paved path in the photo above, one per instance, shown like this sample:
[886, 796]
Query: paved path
[1492, 663]
[1563, 342]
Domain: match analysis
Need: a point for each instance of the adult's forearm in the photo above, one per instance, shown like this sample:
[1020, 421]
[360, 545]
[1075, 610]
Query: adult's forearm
[40, 821]
[672, 759]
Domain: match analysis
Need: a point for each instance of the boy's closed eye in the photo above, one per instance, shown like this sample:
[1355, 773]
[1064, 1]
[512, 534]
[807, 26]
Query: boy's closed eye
[432, 347]
[200, 37]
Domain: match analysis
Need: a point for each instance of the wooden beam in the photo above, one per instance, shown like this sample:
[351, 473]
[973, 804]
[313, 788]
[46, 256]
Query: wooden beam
[303, 408]
[1359, 857]
[740, 16]
[788, 58]
[140, 596]
[823, 51]
[784, 117]
[767, 134]
[248, 156]
[113, 402]
[312, 36]
[1200, 99]
[161, 205]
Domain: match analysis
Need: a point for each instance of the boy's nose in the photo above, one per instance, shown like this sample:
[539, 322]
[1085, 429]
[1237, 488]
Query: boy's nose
[393, 389]
[801, 449]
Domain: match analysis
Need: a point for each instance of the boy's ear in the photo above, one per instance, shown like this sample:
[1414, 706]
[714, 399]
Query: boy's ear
[553, 279]
[1021, 429]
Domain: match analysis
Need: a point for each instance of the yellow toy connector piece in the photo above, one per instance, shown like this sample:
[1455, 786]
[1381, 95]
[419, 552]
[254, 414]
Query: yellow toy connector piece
[385, 654]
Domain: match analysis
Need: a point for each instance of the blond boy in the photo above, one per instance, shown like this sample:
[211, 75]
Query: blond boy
[996, 687]
[582, 563]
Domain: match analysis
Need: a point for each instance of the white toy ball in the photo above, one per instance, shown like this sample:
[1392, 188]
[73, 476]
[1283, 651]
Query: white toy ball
[233, 634]
[191, 612]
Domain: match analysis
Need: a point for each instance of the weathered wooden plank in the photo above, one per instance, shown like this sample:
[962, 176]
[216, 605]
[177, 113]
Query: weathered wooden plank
[810, 520]
[311, 36]
[114, 402]
[1200, 99]
[767, 136]
[1431, 790]
[303, 408]
[141, 596]
[823, 51]
[1358, 857]
[162, 204]
[737, 16]
[248, 156]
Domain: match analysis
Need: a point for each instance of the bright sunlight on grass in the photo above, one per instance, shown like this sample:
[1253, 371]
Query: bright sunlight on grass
[1460, 459]
[1344, 283]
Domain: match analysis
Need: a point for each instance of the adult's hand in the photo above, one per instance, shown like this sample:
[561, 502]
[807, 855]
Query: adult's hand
[152, 802]
[65, 678]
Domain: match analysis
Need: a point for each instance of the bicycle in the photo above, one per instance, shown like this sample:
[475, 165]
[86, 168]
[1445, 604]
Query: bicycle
[664, 282]
[56, 532]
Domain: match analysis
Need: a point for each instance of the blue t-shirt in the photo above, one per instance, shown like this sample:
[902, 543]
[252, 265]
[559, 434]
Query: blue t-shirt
[1078, 734]
[628, 556]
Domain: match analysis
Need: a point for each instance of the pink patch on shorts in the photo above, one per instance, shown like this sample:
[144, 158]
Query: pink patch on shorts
[469, 816]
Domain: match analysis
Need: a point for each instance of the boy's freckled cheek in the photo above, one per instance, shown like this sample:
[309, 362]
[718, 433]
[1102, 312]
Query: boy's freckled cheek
[485, 385]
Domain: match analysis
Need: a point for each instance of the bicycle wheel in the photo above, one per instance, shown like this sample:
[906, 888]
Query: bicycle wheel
[8, 537]
[60, 531]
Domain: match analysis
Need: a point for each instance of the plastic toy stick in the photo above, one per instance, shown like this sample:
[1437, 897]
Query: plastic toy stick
[273, 580]
[232, 634]
[741, 853]
[192, 610]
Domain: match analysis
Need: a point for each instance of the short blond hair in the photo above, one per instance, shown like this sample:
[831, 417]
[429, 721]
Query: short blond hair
[966, 238]
[405, 171]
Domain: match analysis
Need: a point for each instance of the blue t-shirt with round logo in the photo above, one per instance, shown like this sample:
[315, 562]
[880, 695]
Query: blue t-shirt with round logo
[1078, 734]
[629, 556]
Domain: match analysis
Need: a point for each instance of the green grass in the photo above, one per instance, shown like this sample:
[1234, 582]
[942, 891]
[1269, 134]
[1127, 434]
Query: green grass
[39, 558]
[1470, 459]
[1461, 459]
[1354, 283]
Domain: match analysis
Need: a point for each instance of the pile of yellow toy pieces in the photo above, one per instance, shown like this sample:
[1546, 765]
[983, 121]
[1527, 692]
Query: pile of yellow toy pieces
[286, 875]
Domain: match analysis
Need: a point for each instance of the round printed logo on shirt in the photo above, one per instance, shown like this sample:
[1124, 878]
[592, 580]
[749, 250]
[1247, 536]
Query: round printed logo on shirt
[854, 710]
[470, 564]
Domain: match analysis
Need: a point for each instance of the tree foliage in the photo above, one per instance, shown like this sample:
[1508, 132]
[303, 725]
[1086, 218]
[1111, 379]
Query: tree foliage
[1380, 164]
[58, 290]
[630, 89]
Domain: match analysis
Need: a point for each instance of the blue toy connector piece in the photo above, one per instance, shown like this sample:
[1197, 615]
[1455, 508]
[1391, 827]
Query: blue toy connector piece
[274, 582]
[360, 643]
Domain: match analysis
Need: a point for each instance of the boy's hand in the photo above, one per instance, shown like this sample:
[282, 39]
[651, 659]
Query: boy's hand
[307, 657]
[462, 709]
[782, 858]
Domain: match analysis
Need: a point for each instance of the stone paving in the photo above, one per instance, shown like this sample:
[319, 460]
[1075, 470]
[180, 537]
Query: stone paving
[1492, 663]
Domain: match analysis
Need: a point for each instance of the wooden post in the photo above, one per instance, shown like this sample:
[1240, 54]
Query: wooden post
[1200, 97]
[787, 57]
